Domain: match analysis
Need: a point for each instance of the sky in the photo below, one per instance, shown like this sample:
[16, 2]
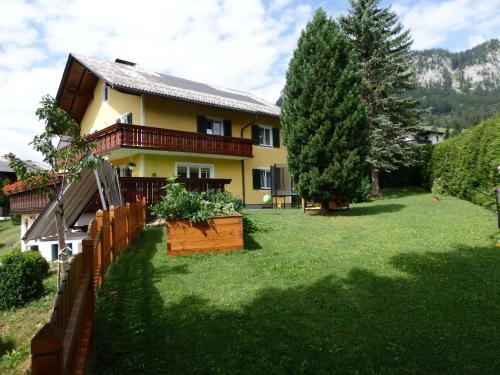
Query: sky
[239, 44]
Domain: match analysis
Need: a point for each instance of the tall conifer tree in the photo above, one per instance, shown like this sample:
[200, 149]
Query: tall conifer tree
[383, 50]
[324, 115]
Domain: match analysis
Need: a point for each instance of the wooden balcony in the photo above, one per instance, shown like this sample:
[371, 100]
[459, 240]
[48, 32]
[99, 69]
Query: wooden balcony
[29, 201]
[159, 139]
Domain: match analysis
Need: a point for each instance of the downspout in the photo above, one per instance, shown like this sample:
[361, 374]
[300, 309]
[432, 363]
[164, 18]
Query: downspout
[243, 161]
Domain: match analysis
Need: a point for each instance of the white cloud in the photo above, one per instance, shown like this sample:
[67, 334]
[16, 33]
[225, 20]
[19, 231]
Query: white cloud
[433, 22]
[243, 45]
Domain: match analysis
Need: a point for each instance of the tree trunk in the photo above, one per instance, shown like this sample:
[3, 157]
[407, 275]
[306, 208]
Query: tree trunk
[61, 238]
[375, 183]
[324, 208]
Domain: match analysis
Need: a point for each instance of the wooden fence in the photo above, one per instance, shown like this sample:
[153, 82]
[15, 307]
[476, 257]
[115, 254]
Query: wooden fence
[63, 345]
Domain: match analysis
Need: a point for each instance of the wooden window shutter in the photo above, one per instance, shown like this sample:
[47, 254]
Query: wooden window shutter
[256, 179]
[228, 131]
[202, 124]
[256, 133]
[276, 137]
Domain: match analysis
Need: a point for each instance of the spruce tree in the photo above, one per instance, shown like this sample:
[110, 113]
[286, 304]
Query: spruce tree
[324, 115]
[383, 50]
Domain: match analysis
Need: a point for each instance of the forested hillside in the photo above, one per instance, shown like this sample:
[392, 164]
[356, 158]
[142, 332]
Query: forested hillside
[461, 88]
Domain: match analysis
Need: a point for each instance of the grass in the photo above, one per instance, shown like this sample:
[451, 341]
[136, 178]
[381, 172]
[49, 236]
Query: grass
[9, 236]
[400, 285]
[18, 326]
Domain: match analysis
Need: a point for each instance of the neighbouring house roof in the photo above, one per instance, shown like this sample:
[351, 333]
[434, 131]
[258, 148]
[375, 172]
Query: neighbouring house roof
[4, 167]
[82, 73]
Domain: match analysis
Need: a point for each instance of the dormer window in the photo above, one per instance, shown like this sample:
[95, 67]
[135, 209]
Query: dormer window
[125, 119]
[105, 92]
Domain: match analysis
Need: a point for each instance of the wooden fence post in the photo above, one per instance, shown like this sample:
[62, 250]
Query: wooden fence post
[127, 222]
[46, 350]
[112, 241]
[88, 263]
[143, 210]
[100, 248]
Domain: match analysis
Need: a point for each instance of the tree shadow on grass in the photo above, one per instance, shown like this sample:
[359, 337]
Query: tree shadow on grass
[441, 315]
[371, 210]
[130, 314]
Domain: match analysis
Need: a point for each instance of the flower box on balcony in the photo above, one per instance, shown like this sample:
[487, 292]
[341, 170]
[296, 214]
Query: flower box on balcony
[218, 234]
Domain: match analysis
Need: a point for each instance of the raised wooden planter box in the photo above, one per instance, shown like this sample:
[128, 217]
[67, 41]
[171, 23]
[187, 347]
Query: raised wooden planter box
[218, 234]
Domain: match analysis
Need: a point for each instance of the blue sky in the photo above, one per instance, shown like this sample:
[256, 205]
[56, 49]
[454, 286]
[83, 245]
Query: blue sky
[239, 44]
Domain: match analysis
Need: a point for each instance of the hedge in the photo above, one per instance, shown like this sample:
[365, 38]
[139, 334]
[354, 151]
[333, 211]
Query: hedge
[467, 165]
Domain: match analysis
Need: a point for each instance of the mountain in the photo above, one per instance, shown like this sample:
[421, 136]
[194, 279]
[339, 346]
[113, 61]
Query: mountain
[459, 88]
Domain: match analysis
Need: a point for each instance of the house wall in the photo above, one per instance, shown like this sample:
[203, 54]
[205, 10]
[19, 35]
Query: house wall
[179, 115]
[164, 165]
[100, 114]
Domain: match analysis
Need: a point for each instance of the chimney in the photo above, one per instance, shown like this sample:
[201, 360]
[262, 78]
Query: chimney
[125, 62]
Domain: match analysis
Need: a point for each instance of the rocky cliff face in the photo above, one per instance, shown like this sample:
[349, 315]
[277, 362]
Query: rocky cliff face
[459, 89]
[471, 70]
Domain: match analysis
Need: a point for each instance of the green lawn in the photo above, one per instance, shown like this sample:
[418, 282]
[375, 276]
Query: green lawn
[9, 236]
[18, 326]
[400, 285]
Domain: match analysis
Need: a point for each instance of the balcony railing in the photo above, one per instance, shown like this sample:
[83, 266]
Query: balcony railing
[26, 200]
[159, 139]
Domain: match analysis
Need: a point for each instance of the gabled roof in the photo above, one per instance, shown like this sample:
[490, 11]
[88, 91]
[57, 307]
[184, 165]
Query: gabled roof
[82, 73]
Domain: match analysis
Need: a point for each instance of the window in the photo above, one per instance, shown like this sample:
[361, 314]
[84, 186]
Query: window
[265, 136]
[265, 179]
[215, 127]
[125, 119]
[191, 170]
[124, 171]
[105, 93]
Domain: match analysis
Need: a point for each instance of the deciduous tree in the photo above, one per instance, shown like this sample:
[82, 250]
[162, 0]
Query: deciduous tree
[64, 164]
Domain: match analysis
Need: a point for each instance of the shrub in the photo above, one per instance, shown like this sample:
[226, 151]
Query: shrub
[466, 165]
[364, 192]
[21, 278]
[180, 204]
[15, 219]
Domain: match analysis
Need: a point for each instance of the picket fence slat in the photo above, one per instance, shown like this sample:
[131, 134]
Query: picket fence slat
[64, 344]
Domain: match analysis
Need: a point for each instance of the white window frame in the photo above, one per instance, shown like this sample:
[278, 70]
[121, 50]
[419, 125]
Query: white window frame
[197, 165]
[124, 170]
[123, 118]
[270, 135]
[218, 119]
[262, 180]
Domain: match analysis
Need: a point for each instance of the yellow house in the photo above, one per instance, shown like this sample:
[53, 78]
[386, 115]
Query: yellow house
[151, 125]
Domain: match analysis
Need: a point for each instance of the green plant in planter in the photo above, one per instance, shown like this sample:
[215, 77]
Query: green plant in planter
[180, 204]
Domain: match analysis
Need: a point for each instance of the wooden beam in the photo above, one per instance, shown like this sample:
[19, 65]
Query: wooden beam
[74, 92]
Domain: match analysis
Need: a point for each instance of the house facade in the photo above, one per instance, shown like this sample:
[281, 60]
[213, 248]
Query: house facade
[152, 125]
